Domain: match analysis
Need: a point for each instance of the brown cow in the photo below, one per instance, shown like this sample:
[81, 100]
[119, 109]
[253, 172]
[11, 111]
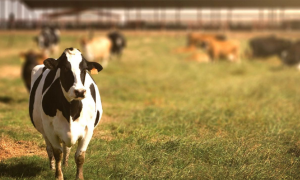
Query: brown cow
[97, 48]
[195, 39]
[31, 59]
[199, 57]
[217, 49]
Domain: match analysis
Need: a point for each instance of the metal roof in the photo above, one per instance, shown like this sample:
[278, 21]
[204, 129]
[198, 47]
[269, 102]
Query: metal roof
[162, 3]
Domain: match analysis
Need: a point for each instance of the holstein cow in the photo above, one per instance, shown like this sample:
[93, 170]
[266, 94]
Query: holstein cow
[263, 47]
[31, 59]
[118, 42]
[65, 106]
[292, 55]
[48, 40]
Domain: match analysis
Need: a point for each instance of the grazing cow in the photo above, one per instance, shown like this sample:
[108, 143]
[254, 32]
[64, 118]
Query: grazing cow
[199, 57]
[263, 47]
[97, 48]
[291, 56]
[48, 40]
[216, 49]
[65, 106]
[118, 42]
[103, 47]
[196, 39]
[31, 59]
[190, 48]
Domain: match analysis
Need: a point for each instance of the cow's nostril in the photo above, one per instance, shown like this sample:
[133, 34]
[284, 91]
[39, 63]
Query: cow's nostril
[79, 93]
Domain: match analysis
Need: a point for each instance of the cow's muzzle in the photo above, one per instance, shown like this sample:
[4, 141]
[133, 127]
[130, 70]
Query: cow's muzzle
[80, 93]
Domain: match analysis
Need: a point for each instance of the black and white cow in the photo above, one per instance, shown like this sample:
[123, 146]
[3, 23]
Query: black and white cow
[291, 56]
[118, 42]
[65, 106]
[263, 47]
[48, 40]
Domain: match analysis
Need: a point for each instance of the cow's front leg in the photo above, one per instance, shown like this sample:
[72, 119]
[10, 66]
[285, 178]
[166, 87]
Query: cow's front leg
[79, 159]
[66, 153]
[58, 157]
[50, 153]
[80, 153]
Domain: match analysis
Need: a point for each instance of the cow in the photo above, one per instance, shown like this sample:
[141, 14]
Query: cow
[31, 59]
[228, 49]
[291, 56]
[196, 39]
[199, 57]
[48, 40]
[263, 47]
[65, 106]
[118, 42]
[97, 48]
[103, 47]
[190, 48]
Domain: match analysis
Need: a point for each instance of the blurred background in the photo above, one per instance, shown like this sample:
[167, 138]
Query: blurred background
[165, 14]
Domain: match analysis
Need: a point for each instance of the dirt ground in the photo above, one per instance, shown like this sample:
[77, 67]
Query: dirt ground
[10, 148]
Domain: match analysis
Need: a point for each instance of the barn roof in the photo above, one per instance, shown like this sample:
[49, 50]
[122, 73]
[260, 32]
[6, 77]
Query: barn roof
[162, 3]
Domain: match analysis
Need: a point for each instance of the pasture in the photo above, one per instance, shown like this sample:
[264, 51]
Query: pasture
[165, 118]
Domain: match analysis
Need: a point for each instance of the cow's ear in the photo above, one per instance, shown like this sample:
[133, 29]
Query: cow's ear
[22, 56]
[94, 67]
[51, 63]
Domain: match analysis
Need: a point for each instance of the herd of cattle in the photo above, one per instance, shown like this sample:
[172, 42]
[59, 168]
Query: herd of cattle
[94, 49]
[65, 104]
[218, 46]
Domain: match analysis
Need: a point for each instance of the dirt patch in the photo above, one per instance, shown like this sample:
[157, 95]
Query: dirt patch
[10, 148]
[10, 72]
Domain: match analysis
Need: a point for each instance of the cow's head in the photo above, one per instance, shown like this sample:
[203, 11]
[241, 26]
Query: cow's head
[73, 69]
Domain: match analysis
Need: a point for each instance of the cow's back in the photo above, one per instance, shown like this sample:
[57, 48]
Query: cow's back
[38, 75]
[98, 48]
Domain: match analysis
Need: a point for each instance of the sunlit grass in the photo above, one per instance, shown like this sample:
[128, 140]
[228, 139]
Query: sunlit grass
[165, 118]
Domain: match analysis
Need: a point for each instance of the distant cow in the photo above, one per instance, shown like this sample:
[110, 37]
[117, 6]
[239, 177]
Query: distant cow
[199, 57]
[263, 47]
[292, 55]
[65, 106]
[227, 49]
[196, 39]
[103, 47]
[31, 59]
[118, 42]
[97, 48]
[48, 40]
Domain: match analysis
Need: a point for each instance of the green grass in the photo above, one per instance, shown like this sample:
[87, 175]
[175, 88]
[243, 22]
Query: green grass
[165, 118]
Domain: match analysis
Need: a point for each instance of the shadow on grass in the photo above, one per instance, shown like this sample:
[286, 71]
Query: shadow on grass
[295, 150]
[21, 167]
[8, 100]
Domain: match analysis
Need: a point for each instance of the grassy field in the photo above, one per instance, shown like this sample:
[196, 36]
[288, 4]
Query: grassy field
[165, 118]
